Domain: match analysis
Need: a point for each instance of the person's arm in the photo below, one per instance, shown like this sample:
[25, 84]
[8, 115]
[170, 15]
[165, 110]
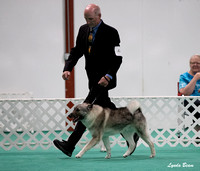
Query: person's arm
[74, 56]
[116, 62]
[189, 88]
[117, 56]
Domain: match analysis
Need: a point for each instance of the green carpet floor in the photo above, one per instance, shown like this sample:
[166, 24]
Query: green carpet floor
[93, 160]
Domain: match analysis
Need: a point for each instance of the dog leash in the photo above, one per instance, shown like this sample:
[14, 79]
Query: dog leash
[99, 94]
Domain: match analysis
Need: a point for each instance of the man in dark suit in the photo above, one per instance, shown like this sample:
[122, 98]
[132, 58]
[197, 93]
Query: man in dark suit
[100, 44]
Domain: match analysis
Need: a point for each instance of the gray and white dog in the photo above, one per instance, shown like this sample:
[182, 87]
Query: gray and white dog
[103, 122]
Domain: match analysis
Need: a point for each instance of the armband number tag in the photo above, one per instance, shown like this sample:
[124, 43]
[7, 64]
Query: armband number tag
[118, 51]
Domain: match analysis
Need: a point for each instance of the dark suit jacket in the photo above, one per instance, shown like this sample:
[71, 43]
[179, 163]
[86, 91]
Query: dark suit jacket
[102, 60]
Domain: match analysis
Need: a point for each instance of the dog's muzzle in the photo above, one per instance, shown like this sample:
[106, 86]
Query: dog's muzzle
[75, 117]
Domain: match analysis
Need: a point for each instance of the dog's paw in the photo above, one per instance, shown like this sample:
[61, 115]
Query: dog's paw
[103, 149]
[108, 156]
[152, 155]
[125, 155]
[78, 156]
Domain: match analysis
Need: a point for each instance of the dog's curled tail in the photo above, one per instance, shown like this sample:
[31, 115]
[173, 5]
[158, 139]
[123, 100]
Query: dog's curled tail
[133, 106]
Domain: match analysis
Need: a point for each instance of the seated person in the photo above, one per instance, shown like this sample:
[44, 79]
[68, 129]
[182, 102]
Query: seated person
[189, 84]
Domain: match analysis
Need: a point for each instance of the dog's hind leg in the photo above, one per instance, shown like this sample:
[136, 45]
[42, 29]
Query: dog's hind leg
[88, 146]
[145, 136]
[107, 145]
[129, 138]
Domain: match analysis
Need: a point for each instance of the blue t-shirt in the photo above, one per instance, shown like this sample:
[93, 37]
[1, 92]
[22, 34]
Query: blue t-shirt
[185, 79]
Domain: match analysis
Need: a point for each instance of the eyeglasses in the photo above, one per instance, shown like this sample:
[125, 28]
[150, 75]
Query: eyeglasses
[193, 63]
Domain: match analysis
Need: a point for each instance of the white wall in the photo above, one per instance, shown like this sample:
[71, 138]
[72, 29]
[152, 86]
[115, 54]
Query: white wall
[157, 39]
[32, 47]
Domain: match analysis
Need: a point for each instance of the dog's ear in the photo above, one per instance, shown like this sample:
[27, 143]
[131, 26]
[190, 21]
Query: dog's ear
[89, 107]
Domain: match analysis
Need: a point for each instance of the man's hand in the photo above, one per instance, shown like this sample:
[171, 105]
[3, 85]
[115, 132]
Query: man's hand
[104, 81]
[66, 75]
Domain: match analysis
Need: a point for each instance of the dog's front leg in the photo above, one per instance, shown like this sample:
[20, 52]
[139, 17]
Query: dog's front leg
[88, 146]
[107, 145]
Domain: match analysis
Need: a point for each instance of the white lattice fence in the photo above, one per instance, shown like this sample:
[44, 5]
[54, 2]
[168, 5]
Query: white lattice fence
[36, 122]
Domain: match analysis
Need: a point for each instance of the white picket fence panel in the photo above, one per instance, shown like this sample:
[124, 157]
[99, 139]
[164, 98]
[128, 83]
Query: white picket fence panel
[36, 122]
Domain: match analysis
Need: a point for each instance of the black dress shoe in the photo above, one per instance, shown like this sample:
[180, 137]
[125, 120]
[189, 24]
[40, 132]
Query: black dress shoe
[64, 147]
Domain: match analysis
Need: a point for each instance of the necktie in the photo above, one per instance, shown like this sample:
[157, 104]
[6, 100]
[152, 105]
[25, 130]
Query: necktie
[90, 38]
